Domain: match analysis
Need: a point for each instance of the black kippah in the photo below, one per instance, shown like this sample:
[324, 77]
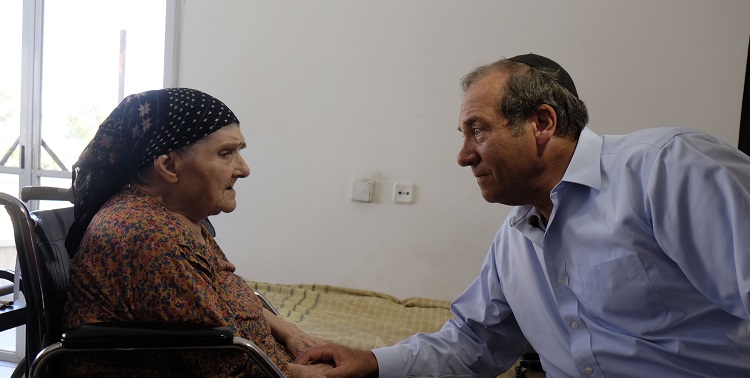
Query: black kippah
[534, 60]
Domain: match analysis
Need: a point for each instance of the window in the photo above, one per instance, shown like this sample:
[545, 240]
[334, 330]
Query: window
[66, 64]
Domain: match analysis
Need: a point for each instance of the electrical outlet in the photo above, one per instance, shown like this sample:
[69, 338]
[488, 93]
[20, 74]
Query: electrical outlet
[403, 193]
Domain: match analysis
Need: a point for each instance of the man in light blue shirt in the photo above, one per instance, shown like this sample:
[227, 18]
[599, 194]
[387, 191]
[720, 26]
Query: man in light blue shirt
[624, 256]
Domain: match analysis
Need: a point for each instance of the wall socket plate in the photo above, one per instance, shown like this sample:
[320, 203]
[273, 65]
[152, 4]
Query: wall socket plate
[403, 193]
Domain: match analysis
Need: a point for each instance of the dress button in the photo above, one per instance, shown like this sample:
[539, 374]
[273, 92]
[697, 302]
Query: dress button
[589, 371]
[560, 279]
[574, 325]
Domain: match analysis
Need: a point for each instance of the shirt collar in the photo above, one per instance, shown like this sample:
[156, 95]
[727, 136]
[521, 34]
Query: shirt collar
[584, 167]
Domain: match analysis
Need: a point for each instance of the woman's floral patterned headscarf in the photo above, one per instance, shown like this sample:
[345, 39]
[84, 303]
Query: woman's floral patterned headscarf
[142, 127]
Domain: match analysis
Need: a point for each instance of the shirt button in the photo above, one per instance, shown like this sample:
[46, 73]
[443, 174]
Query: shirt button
[574, 325]
[589, 371]
[560, 279]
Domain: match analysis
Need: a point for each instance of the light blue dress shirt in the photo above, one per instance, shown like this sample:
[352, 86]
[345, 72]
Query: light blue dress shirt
[643, 269]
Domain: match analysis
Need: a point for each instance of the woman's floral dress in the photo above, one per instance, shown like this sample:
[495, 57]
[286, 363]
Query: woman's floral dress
[140, 263]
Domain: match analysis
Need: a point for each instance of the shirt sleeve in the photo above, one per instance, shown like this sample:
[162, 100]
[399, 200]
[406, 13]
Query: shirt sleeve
[699, 199]
[482, 340]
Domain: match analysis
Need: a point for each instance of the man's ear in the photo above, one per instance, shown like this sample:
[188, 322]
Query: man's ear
[545, 124]
[165, 167]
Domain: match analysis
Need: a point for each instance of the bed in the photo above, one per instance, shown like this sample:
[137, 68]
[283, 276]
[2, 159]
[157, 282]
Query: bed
[358, 318]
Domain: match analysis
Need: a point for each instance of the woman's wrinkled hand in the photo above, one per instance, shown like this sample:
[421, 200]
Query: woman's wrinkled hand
[288, 334]
[298, 342]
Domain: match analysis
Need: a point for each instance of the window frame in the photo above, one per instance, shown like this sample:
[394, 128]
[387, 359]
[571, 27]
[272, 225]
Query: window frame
[30, 127]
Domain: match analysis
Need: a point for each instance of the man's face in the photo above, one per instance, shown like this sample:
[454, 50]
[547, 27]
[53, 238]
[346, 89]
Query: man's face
[504, 164]
[208, 172]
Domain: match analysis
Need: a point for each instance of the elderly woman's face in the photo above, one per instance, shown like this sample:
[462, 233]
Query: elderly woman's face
[207, 174]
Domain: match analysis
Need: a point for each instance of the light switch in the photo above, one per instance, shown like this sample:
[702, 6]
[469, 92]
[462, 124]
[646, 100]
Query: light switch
[362, 189]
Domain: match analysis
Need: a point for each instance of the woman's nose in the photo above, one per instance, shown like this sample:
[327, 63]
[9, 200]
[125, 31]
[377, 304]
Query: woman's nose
[242, 168]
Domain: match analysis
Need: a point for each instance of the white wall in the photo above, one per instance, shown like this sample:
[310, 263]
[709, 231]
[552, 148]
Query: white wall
[335, 89]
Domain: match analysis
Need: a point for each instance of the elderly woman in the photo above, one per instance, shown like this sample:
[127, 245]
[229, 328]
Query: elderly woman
[161, 163]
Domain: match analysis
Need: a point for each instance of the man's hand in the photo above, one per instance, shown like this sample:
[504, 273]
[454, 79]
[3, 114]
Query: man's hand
[308, 371]
[348, 362]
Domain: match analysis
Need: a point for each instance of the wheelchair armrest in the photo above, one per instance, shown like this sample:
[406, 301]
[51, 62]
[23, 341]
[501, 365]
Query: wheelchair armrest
[138, 335]
[130, 336]
[7, 275]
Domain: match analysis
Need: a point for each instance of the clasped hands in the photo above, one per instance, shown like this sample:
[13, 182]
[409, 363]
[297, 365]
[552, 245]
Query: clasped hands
[314, 357]
[341, 361]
